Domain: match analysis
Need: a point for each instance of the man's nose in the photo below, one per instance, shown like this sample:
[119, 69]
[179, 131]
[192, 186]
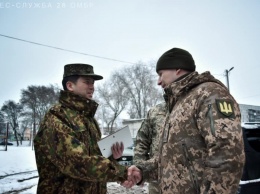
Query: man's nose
[159, 82]
[91, 86]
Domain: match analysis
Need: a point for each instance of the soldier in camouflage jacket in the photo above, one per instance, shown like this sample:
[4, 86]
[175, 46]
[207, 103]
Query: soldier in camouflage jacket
[147, 140]
[201, 148]
[68, 158]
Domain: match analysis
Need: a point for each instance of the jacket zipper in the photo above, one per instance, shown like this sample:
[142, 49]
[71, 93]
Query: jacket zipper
[189, 164]
[210, 115]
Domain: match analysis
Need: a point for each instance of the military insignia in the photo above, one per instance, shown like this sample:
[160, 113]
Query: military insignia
[225, 107]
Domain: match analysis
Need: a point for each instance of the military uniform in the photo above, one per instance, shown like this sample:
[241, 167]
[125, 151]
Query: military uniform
[147, 140]
[67, 155]
[202, 147]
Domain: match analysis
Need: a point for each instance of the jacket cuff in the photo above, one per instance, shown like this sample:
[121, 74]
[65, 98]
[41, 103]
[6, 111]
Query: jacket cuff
[142, 173]
[122, 173]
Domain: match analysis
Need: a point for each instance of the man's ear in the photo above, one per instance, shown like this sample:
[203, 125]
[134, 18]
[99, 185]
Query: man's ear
[70, 86]
[178, 71]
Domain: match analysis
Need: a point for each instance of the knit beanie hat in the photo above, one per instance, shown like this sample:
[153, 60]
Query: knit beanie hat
[176, 58]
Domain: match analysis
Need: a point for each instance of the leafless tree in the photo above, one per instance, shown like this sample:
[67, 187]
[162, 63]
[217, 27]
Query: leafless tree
[113, 99]
[37, 100]
[103, 116]
[2, 123]
[12, 111]
[139, 81]
[25, 124]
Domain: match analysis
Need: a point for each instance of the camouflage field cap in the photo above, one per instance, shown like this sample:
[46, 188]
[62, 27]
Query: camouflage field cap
[80, 69]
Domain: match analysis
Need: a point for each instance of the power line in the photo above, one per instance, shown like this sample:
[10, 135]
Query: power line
[67, 50]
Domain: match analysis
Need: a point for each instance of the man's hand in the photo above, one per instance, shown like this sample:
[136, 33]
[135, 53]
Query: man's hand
[117, 150]
[134, 176]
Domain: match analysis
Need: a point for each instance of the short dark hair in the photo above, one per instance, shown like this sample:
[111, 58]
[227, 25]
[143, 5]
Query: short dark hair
[72, 78]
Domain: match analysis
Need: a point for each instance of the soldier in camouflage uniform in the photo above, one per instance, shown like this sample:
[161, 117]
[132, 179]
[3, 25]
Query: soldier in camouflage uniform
[201, 148]
[147, 140]
[67, 155]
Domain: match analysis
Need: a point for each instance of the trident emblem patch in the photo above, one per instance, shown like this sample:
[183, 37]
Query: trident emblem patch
[225, 107]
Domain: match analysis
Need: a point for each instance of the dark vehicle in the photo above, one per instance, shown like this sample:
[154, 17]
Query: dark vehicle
[250, 182]
[127, 157]
[3, 143]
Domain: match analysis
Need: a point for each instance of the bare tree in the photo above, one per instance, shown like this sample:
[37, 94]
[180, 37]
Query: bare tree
[139, 81]
[12, 111]
[25, 123]
[2, 123]
[37, 100]
[113, 99]
[103, 116]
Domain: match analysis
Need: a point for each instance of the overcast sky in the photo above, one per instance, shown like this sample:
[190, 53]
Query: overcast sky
[220, 34]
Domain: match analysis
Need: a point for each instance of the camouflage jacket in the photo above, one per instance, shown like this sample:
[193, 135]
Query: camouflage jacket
[202, 148]
[147, 140]
[67, 155]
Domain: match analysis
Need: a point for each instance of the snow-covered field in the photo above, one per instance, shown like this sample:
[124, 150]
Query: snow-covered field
[18, 173]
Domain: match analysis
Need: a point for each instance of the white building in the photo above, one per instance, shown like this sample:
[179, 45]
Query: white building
[249, 113]
[133, 124]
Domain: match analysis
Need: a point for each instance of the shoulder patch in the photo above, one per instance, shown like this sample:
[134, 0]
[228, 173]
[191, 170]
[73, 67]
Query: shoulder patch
[225, 107]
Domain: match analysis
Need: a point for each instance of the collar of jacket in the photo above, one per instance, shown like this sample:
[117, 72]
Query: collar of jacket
[176, 89]
[78, 103]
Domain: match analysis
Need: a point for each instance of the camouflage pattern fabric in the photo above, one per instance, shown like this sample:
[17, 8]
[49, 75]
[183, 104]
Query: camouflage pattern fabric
[147, 141]
[80, 69]
[67, 155]
[201, 149]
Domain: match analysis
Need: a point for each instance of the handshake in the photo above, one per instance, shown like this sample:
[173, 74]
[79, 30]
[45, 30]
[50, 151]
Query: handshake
[134, 176]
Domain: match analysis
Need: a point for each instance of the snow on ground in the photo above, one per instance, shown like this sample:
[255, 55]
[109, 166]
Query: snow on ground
[18, 173]
[18, 170]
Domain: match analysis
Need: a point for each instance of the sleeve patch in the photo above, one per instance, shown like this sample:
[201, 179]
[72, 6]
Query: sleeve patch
[225, 107]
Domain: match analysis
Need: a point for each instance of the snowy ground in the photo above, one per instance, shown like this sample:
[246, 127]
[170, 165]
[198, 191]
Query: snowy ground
[18, 173]
[18, 170]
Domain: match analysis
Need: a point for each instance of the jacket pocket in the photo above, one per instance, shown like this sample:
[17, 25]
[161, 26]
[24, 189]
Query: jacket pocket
[189, 165]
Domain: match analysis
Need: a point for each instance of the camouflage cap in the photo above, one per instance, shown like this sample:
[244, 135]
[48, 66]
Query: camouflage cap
[80, 69]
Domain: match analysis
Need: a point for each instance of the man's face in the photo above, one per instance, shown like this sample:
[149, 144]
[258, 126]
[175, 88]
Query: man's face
[83, 87]
[166, 76]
